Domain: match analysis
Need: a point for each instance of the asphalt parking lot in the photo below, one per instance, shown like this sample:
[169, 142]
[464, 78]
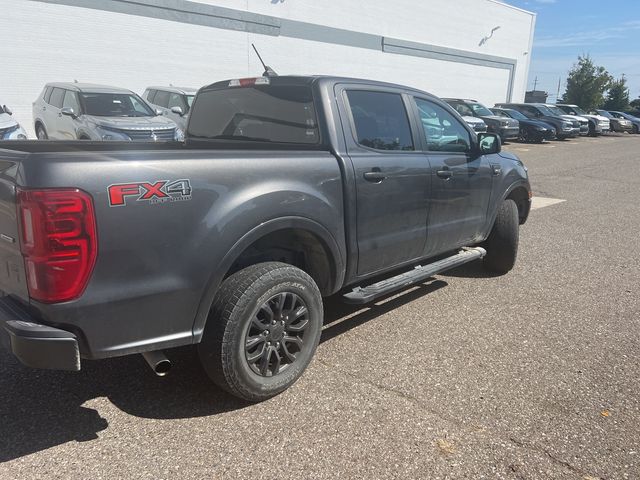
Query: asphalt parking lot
[533, 375]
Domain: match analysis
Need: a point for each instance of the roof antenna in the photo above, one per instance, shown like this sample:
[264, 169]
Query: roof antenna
[268, 71]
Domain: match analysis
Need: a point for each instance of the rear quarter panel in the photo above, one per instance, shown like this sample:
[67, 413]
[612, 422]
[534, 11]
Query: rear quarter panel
[157, 261]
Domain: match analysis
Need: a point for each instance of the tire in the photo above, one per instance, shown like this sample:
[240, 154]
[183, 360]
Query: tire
[240, 329]
[636, 129]
[41, 133]
[502, 244]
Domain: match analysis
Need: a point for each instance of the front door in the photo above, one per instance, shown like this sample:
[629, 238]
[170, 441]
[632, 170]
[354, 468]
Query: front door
[462, 180]
[391, 179]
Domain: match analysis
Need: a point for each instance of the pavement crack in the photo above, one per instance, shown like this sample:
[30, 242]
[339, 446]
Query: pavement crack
[495, 433]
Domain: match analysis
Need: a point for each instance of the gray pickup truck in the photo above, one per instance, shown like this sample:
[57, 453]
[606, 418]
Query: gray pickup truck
[286, 190]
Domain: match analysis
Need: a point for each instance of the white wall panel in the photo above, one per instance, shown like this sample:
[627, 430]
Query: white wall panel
[52, 42]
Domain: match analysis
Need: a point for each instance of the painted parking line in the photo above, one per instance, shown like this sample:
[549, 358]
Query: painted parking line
[541, 202]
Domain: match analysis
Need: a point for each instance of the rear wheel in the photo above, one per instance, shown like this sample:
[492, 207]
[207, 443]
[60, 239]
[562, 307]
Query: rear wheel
[263, 329]
[502, 244]
[41, 133]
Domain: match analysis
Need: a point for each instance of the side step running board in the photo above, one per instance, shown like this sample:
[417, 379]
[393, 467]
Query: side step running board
[420, 273]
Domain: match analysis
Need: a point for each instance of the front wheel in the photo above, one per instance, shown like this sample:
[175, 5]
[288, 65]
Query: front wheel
[262, 331]
[502, 244]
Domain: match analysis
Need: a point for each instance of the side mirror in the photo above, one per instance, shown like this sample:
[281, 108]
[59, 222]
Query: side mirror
[7, 110]
[489, 143]
[69, 112]
[177, 110]
[159, 112]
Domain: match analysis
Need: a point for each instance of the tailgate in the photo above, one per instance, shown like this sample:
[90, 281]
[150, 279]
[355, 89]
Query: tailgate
[12, 270]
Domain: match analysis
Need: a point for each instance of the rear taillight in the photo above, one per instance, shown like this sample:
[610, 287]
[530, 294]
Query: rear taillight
[58, 242]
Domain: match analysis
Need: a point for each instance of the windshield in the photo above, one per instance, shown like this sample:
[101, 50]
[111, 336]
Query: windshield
[115, 105]
[516, 114]
[266, 113]
[480, 110]
[555, 111]
[604, 113]
[578, 111]
[545, 111]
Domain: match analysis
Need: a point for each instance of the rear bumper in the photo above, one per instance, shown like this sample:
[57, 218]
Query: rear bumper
[34, 344]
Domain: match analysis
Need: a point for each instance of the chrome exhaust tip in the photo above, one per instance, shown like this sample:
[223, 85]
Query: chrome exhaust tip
[158, 362]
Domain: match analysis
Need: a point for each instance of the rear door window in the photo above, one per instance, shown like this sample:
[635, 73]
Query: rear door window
[57, 96]
[380, 119]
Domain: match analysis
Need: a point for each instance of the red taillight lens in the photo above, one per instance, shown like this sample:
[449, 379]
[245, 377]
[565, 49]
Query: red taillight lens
[58, 242]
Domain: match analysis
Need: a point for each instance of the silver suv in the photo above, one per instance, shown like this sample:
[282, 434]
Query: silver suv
[174, 102]
[78, 111]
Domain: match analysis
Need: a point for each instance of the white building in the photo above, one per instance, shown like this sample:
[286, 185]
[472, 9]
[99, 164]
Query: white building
[457, 48]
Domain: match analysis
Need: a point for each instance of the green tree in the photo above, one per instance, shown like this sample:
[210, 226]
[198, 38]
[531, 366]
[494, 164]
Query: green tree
[618, 95]
[586, 84]
[635, 104]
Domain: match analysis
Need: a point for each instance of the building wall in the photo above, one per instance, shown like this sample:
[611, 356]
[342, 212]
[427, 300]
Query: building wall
[433, 45]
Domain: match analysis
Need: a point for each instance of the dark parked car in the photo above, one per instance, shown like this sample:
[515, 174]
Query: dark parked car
[530, 130]
[506, 128]
[537, 111]
[286, 190]
[635, 121]
[619, 125]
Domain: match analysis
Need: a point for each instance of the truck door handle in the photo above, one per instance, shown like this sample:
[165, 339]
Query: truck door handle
[374, 175]
[446, 174]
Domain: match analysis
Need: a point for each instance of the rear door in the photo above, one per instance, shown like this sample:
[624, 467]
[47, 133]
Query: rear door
[461, 180]
[391, 176]
[53, 115]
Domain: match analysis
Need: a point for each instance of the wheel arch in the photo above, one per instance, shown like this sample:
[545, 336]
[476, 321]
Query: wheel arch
[308, 238]
[520, 195]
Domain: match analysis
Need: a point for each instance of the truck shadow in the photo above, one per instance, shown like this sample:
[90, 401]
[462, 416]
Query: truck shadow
[41, 409]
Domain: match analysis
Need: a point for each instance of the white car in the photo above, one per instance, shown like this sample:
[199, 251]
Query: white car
[9, 128]
[598, 124]
[174, 102]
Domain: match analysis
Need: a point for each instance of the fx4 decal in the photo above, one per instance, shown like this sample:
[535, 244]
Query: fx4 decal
[151, 192]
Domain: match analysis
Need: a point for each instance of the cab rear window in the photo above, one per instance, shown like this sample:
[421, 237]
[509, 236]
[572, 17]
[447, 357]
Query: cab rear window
[261, 113]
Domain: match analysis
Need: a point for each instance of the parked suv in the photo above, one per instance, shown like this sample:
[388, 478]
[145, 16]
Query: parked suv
[507, 128]
[583, 123]
[635, 121]
[538, 111]
[174, 102]
[598, 124]
[9, 128]
[617, 124]
[78, 111]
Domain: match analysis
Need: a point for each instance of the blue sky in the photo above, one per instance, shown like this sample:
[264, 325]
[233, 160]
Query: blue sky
[608, 30]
